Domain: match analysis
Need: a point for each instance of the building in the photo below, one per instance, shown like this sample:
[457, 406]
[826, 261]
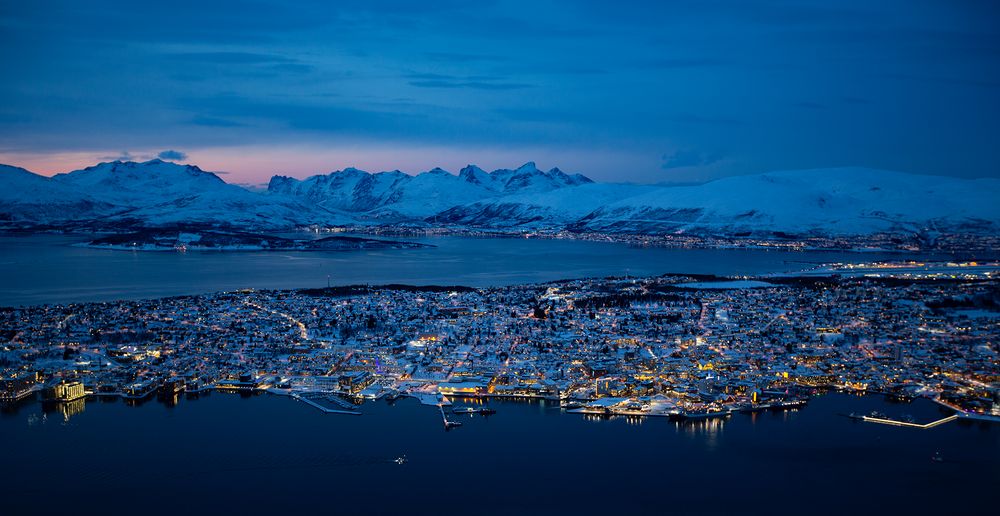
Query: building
[66, 391]
[355, 381]
[17, 388]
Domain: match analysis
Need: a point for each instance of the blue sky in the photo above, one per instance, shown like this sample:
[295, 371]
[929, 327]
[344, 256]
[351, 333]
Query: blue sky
[621, 91]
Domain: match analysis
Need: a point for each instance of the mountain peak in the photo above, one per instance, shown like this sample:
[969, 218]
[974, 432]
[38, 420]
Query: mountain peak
[477, 176]
[527, 167]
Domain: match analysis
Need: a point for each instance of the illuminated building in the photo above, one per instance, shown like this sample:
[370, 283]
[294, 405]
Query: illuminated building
[66, 391]
[14, 389]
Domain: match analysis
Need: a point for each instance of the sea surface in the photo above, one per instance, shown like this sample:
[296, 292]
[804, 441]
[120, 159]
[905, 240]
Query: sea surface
[42, 269]
[268, 454]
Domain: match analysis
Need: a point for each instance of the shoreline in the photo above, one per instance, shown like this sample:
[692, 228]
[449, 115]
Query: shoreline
[988, 245]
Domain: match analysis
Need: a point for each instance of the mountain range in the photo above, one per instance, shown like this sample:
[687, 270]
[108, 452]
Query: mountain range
[821, 202]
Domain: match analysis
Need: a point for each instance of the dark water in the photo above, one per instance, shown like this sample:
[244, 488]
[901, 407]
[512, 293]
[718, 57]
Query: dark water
[271, 455]
[47, 269]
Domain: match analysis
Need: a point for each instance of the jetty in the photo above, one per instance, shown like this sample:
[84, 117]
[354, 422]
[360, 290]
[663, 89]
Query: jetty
[894, 422]
[344, 406]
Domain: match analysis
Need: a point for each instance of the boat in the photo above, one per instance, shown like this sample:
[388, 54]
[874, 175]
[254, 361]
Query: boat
[788, 404]
[400, 459]
[483, 411]
[937, 457]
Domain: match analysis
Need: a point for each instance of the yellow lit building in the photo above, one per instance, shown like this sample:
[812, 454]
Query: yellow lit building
[67, 391]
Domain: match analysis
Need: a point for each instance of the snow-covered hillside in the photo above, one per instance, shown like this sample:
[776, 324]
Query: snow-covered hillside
[28, 198]
[153, 193]
[844, 201]
[847, 201]
[386, 197]
[539, 210]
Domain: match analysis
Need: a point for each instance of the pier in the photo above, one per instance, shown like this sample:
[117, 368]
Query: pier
[448, 425]
[345, 407]
[893, 422]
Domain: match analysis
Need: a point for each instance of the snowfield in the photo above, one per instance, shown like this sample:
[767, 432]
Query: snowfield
[846, 201]
[821, 202]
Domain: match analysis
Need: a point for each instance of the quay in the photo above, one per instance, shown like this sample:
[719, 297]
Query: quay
[893, 422]
[346, 408]
[448, 425]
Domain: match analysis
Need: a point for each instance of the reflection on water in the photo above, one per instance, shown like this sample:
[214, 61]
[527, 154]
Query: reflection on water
[69, 409]
[708, 430]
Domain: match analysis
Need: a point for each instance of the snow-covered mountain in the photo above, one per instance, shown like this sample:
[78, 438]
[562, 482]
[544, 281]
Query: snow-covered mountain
[524, 179]
[154, 193]
[395, 196]
[26, 198]
[137, 184]
[845, 201]
[558, 207]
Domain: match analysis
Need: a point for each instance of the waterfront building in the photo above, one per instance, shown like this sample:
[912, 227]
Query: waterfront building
[17, 388]
[66, 391]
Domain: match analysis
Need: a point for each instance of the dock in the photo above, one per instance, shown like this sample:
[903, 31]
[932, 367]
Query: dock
[893, 422]
[345, 408]
[448, 425]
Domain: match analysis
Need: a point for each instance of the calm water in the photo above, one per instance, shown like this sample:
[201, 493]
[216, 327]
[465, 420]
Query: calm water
[271, 455]
[47, 269]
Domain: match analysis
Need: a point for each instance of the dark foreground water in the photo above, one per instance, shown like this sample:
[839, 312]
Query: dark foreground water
[267, 454]
[42, 269]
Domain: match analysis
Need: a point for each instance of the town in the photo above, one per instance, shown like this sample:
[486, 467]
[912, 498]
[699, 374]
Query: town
[684, 347]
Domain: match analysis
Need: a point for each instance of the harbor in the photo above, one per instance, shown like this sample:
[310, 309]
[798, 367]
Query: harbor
[298, 449]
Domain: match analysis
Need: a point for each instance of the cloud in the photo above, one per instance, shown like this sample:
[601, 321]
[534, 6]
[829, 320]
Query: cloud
[684, 62]
[172, 155]
[123, 156]
[689, 158]
[291, 68]
[230, 57]
[690, 118]
[476, 82]
[463, 58]
[475, 85]
[209, 121]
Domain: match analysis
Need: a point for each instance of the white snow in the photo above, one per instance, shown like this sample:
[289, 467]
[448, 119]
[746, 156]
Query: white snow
[847, 201]
[839, 201]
